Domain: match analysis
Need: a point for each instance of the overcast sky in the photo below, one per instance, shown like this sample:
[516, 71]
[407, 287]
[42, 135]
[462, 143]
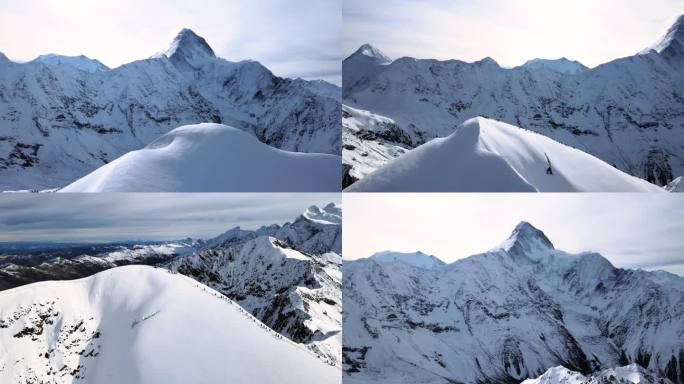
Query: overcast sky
[294, 38]
[511, 32]
[146, 216]
[631, 230]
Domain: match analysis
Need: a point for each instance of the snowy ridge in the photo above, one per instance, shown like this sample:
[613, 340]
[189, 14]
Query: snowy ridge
[488, 156]
[178, 162]
[507, 315]
[628, 112]
[81, 62]
[116, 326]
[632, 374]
[287, 276]
[59, 122]
[416, 259]
[561, 65]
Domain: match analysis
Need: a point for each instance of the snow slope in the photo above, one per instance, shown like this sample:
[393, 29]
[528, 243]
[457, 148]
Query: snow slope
[630, 374]
[561, 65]
[416, 259]
[507, 315]
[142, 325]
[213, 158]
[488, 156]
[59, 123]
[81, 62]
[628, 112]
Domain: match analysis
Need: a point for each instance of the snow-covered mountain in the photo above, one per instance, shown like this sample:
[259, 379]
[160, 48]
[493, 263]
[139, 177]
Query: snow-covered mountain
[24, 266]
[507, 315]
[81, 62]
[630, 374]
[628, 112]
[212, 157]
[484, 155]
[561, 65]
[59, 122]
[139, 324]
[417, 259]
[288, 276]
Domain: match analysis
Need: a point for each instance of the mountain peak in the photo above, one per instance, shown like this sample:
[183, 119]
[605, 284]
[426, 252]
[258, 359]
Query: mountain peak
[331, 214]
[416, 259]
[189, 49]
[527, 237]
[562, 65]
[671, 45]
[372, 52]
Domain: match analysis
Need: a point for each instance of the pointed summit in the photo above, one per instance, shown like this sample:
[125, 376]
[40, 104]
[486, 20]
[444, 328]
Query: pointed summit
[671, 46]
[188, 50]
[373, 53]
[525, 237]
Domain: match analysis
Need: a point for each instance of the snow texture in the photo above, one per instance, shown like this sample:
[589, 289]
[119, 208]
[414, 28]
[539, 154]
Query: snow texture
[213, 158]
[488, 156]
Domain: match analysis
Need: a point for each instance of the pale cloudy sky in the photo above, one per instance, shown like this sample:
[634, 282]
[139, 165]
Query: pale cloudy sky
[631, 230]
[511, 32]
[105, 217]
[294, 38]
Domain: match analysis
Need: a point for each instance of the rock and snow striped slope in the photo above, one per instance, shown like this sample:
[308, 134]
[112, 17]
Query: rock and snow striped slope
[630, 374]
[213, 158]
[139, 324]
[485, 155]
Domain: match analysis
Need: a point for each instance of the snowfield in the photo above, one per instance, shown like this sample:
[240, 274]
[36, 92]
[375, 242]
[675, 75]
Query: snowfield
[213, 158]
[484, 155]
[139, 324]
[630, 374]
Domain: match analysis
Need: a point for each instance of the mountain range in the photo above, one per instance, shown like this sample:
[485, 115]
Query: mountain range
[507, 315]
[628, 112]
[63, 117]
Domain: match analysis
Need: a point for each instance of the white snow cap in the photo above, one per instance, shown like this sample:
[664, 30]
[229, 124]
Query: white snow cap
[372, 52]
[416, 259]
[526, 236]
[188, 50]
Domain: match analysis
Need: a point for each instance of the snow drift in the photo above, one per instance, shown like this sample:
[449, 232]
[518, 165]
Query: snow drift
[142, 325]
[213, 158]
[484, 155]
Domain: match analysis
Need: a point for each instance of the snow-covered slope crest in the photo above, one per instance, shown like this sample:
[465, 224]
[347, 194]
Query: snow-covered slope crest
[507, 315]
[59, 122]
[81, 62]
[330, 214]
[630, 374]
[561, 65]
[416, 259]
[142, 325]
[213, 158]
[485, 155]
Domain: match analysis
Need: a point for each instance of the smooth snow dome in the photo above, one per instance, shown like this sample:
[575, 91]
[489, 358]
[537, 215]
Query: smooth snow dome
[484, 155]
[146, 325]
[213, 158]
[416, 259]
[561, 65]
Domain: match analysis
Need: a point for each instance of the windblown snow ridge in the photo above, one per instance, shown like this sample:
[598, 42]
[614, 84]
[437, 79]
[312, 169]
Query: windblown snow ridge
[213, 158]
[484, 155]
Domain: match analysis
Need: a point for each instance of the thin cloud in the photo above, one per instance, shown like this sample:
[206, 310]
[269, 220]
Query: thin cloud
[305, 32]
[106, 217]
